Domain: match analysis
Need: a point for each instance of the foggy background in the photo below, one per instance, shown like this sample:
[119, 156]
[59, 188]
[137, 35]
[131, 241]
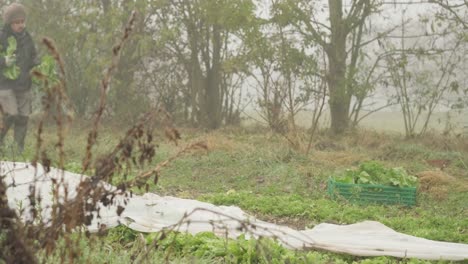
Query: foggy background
[216, 63]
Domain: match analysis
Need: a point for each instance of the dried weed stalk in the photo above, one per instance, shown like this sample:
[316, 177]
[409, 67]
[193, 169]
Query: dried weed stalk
[17, 246]
[92, 136]
[141, 180]
[55, 97]
[67, 214]
[14, 245]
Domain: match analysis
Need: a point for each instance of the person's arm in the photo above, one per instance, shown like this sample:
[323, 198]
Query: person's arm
[3, 45]
[34, 59]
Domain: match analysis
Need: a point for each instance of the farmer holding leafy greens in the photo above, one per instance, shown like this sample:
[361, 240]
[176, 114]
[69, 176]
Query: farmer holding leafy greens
[17, 58]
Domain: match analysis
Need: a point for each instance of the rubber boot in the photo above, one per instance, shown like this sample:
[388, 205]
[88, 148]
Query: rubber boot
[8, 121]
[21, 128]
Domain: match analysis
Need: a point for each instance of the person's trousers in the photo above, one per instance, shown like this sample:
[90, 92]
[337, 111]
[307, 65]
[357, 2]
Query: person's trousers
[20, 124]
[16, 107]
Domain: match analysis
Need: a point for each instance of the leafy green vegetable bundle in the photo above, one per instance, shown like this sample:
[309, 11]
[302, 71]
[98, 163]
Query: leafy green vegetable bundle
[13, 71]
[48, 68]
[373, 172]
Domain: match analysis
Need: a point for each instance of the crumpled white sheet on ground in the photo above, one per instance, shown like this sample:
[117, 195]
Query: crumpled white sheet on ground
[152, 213]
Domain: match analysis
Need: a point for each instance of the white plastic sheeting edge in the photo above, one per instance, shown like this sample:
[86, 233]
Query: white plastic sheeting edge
[152, 213]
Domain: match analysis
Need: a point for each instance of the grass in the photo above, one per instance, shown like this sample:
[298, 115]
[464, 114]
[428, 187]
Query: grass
[260, 173]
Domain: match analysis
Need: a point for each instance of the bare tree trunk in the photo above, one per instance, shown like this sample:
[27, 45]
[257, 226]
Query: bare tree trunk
[212, 89]
[340, 98]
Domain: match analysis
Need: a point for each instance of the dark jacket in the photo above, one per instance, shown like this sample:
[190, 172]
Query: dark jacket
[25, 59]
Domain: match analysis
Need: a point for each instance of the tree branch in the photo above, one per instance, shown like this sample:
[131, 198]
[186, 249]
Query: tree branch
[309, 26]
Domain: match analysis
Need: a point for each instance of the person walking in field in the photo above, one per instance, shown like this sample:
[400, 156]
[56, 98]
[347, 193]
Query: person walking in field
[15, 79]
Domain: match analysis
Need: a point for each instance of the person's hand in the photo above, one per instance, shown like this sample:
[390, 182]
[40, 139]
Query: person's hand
[10, 60]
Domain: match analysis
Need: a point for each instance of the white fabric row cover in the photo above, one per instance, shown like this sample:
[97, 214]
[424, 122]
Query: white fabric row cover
[153, 213]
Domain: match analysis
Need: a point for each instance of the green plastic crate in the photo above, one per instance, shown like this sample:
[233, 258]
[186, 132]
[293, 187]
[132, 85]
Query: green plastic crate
[369, 193]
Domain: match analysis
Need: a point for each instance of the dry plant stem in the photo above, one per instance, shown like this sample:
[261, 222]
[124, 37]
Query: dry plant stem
[79, 211]
[54, 96]
[92, 136]
[132, 131]
[46, 104]
[14, 247]
[53, 50]
[161, 165]
[2, 115]
[316, 117]
[61, 98]
[67, 215]
[106, 166]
